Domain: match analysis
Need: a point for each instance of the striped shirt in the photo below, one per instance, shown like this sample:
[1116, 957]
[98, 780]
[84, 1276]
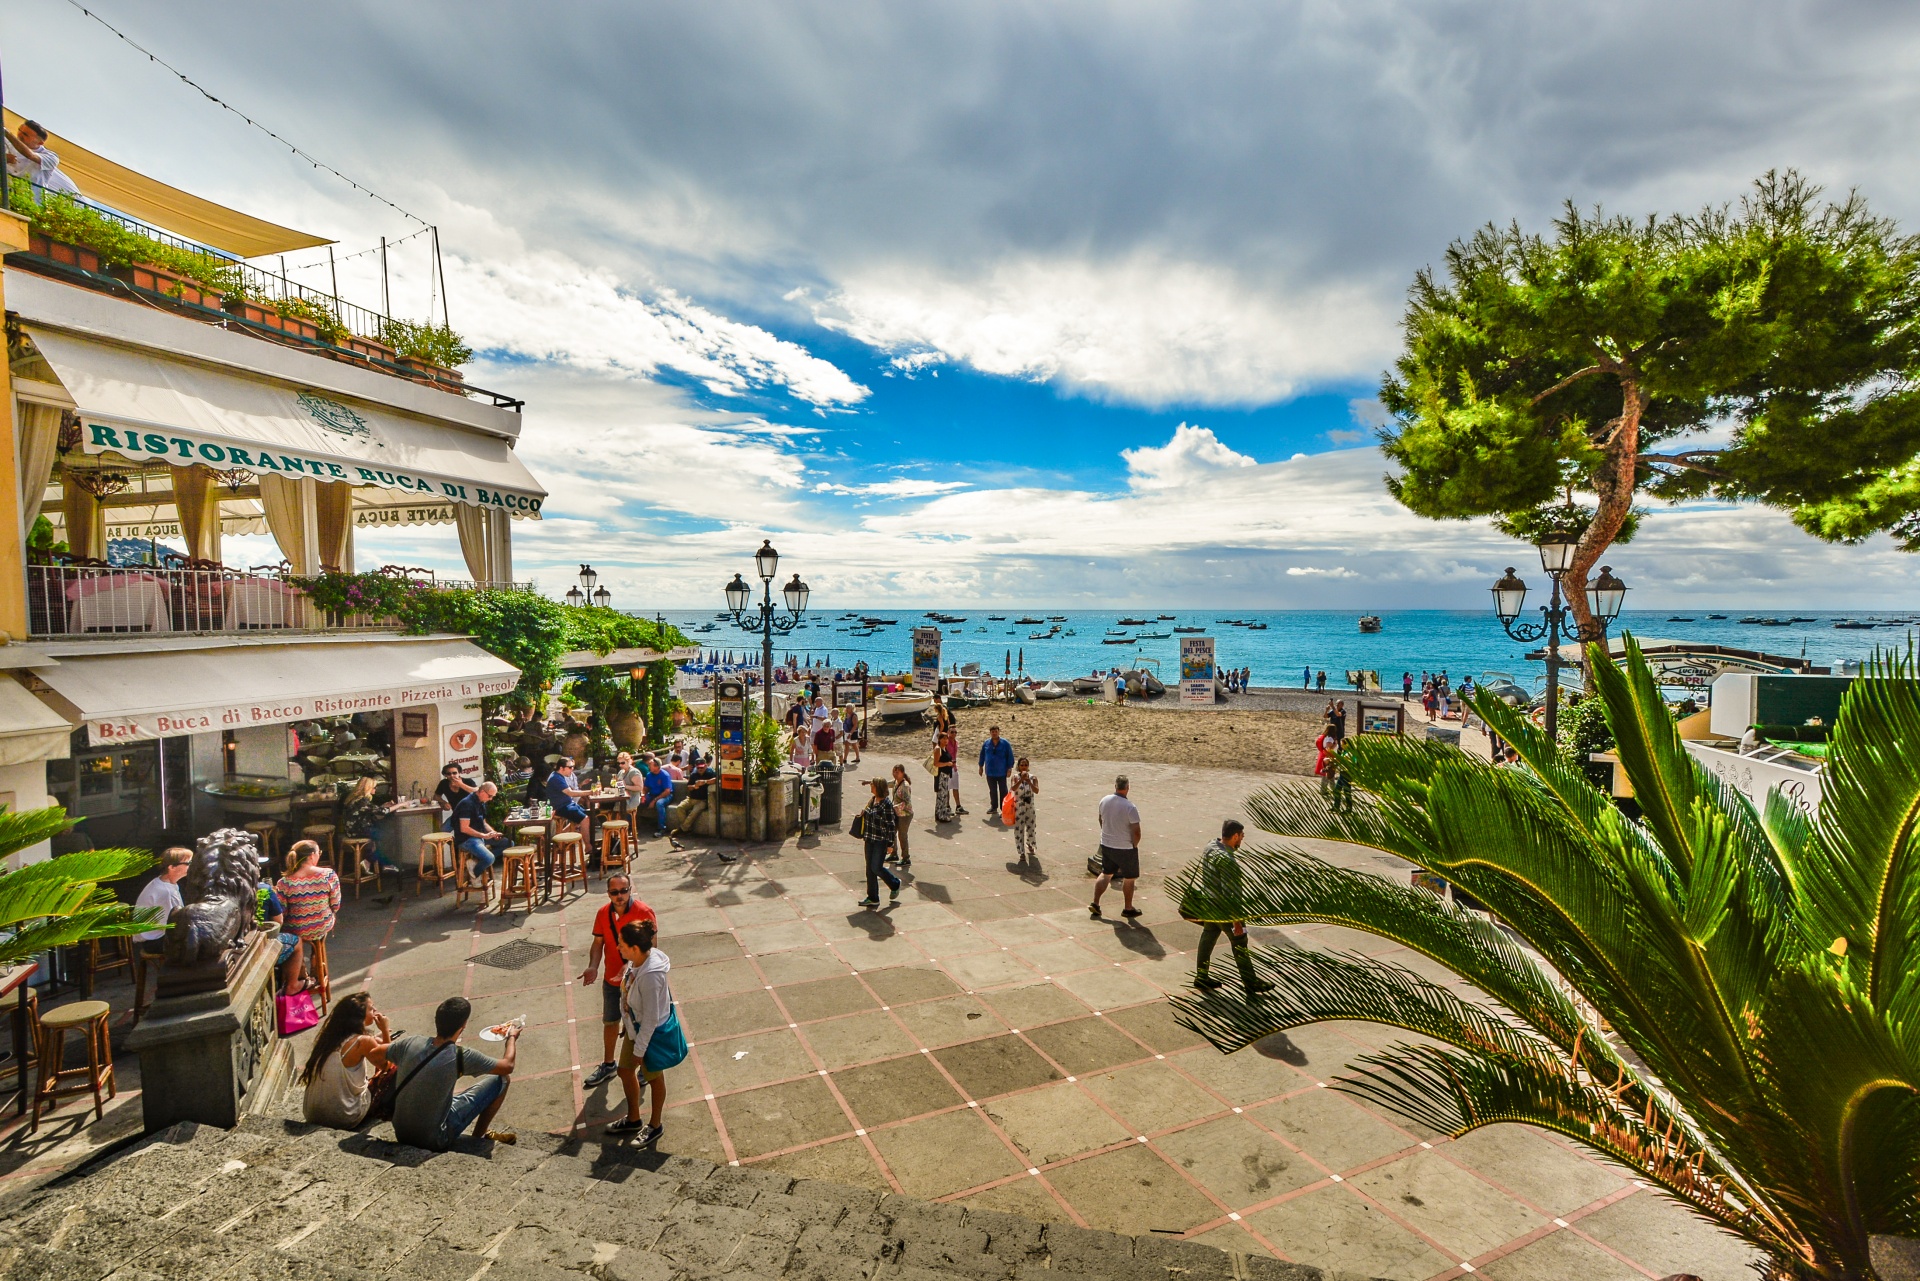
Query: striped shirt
[311, 902]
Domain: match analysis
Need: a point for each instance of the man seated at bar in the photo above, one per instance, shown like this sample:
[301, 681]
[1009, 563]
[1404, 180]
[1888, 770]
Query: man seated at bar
[472, 832]
[564, 793]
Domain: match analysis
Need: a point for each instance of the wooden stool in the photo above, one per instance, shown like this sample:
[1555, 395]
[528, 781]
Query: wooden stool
[616, 846]
[143, 965]
[520, 874]
[464, 884]
[357, 870]
[267, 832]
[569, 861]
[435, 847]
[322, 833]
[104, 955]
[90, 1019]
[534, 836]
[322, 977]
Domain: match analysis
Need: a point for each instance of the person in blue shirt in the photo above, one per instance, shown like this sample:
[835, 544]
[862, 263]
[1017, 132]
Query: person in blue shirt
[996, 762]
[563, 793]
[660, 796]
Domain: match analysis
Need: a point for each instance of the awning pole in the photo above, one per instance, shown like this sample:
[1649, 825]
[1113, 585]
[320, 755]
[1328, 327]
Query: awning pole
[333, 273]
[386, 306]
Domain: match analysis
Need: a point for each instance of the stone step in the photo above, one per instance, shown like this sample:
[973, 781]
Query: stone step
[276, 1200]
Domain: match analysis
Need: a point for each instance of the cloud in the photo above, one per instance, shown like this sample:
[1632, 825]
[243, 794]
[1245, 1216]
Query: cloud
[1303, 571]
[904, 487]
[1191, 454]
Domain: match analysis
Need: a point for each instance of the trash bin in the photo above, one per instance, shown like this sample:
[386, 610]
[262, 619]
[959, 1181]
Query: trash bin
[829, 775]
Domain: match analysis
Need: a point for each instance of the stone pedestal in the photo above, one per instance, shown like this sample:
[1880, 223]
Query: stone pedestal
[771, 813]
[200, 1055]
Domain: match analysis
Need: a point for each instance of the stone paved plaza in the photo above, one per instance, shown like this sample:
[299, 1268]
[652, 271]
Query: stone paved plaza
[986, 1042]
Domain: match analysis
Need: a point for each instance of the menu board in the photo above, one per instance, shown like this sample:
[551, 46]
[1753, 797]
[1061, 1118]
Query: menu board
[730, 734]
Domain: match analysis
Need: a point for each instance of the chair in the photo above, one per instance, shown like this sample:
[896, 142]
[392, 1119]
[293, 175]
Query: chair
[267, 832]
[616, 846]
[104, 955]
[520, 874]
[56, 1083]
[438, 861]
[358, 869]
[569, 861]
[323, 835]
[464, 884]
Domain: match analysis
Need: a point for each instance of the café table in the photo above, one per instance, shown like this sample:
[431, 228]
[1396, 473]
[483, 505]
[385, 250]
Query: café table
[13, 982]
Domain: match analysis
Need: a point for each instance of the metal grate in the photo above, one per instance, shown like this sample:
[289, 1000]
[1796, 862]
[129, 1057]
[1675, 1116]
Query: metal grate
[517, 955]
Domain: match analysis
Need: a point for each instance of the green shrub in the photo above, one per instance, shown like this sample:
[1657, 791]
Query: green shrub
[60, 218]
[435, 344]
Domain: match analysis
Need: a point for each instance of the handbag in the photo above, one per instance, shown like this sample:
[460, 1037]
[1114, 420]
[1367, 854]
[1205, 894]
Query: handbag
[858, 828]
[295, 1012]
[667, 1047]
[1008, 809]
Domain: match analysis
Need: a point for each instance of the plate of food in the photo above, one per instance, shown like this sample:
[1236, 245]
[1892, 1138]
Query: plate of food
[499, 1031]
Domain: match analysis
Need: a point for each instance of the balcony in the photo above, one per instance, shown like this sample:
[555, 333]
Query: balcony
[67, 601]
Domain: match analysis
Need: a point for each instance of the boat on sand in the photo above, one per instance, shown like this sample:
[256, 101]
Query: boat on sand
[902, 703]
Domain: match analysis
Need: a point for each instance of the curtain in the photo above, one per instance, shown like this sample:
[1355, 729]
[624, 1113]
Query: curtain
[290, 507]
[500, 546]
[333, 523]
[39, 438]
[86, 520]
[197, 501]
[475, 526]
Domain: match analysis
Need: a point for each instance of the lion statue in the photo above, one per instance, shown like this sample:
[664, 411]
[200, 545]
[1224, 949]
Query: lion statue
[220, 890]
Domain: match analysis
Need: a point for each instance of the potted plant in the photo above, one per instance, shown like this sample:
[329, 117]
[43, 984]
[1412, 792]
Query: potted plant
[431, 353]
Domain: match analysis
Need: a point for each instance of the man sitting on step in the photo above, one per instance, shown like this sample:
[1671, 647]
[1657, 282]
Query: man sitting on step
[426, 1111]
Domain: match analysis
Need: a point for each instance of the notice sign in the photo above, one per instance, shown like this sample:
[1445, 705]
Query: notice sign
[730, 734]
[926, 658]
[200, 720]
[1196, 669]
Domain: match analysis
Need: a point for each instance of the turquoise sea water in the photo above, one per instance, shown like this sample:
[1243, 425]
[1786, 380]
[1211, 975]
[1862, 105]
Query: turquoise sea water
[1457, 641]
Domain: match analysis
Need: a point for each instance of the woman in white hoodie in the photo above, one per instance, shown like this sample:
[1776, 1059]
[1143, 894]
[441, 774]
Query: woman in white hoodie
[646, 1007]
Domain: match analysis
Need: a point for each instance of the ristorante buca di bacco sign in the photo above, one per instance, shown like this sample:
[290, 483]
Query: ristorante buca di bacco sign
[185, 451]
[201, 720]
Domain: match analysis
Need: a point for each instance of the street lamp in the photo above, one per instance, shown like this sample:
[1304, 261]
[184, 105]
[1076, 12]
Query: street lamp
[602, 598]
[766, 563]
[575, 596]
[1604, 598]
[588, 578]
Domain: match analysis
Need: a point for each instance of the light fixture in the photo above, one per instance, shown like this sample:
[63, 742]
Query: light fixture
[575, 596]
[1509, 596]
[766, 561]
[234, 478]
[796, 596]
[738, 594]
[101, 484]
[1556, 553]
[1605, 595]
[602, 597]
[588, 578]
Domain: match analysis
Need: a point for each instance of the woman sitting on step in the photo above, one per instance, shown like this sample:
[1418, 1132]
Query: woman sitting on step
[348, 1067]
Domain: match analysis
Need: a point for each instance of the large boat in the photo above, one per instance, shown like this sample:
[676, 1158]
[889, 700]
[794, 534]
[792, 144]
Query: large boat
[1370, 623]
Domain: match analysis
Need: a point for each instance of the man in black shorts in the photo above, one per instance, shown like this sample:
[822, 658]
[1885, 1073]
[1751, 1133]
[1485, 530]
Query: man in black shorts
[1119, 848]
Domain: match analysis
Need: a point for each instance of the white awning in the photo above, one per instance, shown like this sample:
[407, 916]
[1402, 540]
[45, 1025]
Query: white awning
[29, 729]
[140, 694]
[145, 407]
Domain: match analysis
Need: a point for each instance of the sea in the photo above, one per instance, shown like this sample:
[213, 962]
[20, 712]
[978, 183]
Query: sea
[1458, 642]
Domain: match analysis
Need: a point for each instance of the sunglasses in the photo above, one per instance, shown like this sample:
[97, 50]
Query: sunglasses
[618, 893]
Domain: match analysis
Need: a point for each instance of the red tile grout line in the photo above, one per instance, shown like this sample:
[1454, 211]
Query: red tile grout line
[573, 1030]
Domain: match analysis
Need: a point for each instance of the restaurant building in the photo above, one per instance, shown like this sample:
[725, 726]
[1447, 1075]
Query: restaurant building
[158, 700]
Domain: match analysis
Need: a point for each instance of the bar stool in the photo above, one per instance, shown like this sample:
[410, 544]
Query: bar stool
[143, 964]
[358, 869]
[616, 846]
[322, 976]
[464, 884]
[104, 955]
[56, 1083]
[438, 861]
[267, 832]
[534, 836]
[322, 834]
[569, 861]
[520, 874]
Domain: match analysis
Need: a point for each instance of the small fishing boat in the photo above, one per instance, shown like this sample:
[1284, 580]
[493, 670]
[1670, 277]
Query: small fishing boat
[1087, 684]
[1118, 640]
[1163, 618]
[1370, 623]
[1154, 636]
[1051, 690]
[1256, 627]
[902, 704]
[1854, 627]
[1134, 622]
[1030, 622]
[1187, 631]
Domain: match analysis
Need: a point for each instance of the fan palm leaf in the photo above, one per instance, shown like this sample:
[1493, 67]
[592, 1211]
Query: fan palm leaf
[1724, 998]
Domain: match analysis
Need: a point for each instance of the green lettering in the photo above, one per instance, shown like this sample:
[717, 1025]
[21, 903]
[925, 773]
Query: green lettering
[103, 435]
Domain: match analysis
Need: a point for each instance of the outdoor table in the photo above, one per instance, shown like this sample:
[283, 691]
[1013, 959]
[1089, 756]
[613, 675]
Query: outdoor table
[255, 603]
[119, 603]
[13, 982]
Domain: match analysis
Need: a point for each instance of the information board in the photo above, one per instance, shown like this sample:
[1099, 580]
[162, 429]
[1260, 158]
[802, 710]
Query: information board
[926, 658]
[730, 734]
[1196, 669]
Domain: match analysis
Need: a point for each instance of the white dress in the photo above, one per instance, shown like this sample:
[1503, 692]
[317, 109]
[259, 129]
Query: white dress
[338, 1095]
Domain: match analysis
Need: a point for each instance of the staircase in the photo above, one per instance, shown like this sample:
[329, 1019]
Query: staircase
[277, 1200]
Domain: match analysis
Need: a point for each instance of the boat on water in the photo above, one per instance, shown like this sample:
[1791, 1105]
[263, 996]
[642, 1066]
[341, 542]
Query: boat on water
[1163, 618]
[996, 618]
[1370, 623]
[1677, 618]
[901, 704]
[1256, 627]
[1188, 631]
[1134, 622]
[1030, 622]
[1713, 616]
[1154, 636]
[1855, 627]
[1056, 618]
[1118, 640]
[1047, 635]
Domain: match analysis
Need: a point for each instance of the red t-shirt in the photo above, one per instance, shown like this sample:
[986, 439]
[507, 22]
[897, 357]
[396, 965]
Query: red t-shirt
[607, 931]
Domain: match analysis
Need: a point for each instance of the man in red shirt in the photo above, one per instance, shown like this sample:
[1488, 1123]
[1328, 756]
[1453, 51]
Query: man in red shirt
[621, 908]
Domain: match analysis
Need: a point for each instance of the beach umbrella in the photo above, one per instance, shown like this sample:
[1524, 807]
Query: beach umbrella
[1008, 669]
[1023, 658]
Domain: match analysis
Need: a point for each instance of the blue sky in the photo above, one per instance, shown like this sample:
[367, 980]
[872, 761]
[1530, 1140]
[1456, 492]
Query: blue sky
[986, 301]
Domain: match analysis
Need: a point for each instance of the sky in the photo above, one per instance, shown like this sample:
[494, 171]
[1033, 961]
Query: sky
[1056, 303]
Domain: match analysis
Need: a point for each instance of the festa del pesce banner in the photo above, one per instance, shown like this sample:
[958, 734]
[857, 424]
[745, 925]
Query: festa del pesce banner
[201, 719]
[926, 658]
[1196, 669]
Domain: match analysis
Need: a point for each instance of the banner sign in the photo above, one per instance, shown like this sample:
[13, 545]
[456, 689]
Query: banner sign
[201, 719]
[1196, 669]
[926, 658]
[730, 734]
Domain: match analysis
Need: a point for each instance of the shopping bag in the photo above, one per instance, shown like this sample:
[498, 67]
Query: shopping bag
[667, 1047]
[295, 1013]
[1008, 808]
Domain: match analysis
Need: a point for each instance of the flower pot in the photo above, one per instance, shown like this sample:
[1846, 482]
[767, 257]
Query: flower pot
[420, 371]
[297, 327]
[155, 279]
[62, 252]
[250, 311]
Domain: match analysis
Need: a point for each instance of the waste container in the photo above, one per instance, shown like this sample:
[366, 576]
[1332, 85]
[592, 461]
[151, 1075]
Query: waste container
[829, 774]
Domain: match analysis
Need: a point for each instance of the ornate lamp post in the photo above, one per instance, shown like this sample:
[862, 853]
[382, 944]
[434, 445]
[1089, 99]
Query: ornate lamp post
[1604, 597]
[766, 563]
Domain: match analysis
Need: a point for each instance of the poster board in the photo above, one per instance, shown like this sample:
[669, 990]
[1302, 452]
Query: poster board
[1382, 718]
[730, 734]
[1196, 669]
[926, 657]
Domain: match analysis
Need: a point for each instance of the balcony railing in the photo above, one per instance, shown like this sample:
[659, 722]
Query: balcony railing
[75, 601]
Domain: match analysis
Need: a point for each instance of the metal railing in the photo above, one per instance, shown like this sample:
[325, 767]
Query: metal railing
[72, 601]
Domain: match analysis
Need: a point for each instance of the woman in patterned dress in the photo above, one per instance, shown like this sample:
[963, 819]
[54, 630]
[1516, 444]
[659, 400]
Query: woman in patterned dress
[1023, 787]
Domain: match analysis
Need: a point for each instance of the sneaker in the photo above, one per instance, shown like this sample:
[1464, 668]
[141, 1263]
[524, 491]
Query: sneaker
[625, 1126]
[1129, 912]
[501, 1136]
[651, 1135]
[1093, 910]
[601, 1075]
[962, 810]
[473, 870]
[868, 902]
[1207, 983]
[894, 897]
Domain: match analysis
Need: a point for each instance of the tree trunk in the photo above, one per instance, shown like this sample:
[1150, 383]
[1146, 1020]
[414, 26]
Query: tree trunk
[1613, 484]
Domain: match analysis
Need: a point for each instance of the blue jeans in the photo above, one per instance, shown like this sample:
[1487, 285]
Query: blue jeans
[476, 849]
[467, 1106]
[660, 807]
[877, 871]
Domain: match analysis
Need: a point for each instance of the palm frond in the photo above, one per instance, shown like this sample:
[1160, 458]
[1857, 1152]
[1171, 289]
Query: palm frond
[21, 829]
[58, 886]
[106, 920]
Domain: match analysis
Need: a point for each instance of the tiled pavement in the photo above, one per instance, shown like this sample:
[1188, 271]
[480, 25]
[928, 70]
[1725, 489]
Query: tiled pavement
[984, 1041]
